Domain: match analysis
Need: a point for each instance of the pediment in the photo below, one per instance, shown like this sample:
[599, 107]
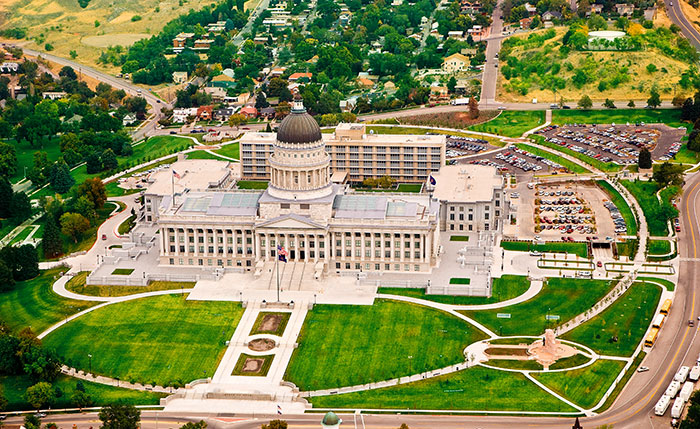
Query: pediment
[290, 222]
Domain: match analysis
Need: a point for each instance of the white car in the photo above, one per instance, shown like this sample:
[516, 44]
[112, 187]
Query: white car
[643, 369]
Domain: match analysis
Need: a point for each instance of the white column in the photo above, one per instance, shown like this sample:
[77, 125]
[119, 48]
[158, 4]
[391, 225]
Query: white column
[257, 247]
[297, 253]
[429, 247]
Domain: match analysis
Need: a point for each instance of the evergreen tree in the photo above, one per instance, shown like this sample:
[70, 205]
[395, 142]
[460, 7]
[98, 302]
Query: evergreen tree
[109, 160]
[93, 163]
[20, 207]
[27, 262]
[452, 84]
[120, 416]
[644, 159]
[6, 284]
[6, 195]
[61, 180]
[52, 242]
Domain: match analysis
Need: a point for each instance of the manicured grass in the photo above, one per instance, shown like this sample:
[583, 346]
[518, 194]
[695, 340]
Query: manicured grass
[459, 281]
[609, 167]
[231, 150]
[628, 248]
[89, 237]
[672, 117]
[686, 156]
[459, 238]
[621, 204]
[504, 288]
[238, 369]
[569, 165]
[659, 247]
[362, 340]
[580, 249]
[127, 225]
[512, 123]
[158, 146]
[668, 283]
[113, 190]
[25, 155]
[409, 187]
[122, 271]
[257, 326]
[529, 365]
[621, 385]
[201, 154]
[570, 362]
[627, 319]
[645, 194]
[252, 184]
[564, 297]
[22, 235]
[163, 339]
[476, 388]
[585, 386]
[15, 386]
[33, 303]
[77, 285]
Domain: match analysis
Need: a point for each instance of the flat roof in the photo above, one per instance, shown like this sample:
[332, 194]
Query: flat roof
[368, 138]
[194, 174]
[220, 204]
[466, 183]
[378, 206]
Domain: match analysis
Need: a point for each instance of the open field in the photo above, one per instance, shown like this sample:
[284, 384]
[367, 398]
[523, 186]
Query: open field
[585, 386]
[25, 156]
[623, 382]
[570, 165]
[364, 343]
[670, 117]
[33, 303]
[659, 247]
[627, 320]
[580, 249]
[512, 123]
[77, 285]
[504, 288]
[471, 389]
[231, 150]
[562, 297]
[621, 204]
[163, 339]
[645, 194]
[15, 386]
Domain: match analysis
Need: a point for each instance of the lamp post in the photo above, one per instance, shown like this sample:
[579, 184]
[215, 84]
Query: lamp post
[90, 362]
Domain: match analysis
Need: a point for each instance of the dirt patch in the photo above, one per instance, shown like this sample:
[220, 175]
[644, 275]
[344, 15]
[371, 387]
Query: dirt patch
[261, 345]
[449, 119]
[270, 323]
[105, 40]
[252, 365]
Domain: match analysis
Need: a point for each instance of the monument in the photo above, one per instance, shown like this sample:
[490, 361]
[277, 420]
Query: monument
[548, 350]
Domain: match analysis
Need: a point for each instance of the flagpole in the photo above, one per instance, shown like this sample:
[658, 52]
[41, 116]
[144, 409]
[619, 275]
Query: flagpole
[172, 186]
[277, 266]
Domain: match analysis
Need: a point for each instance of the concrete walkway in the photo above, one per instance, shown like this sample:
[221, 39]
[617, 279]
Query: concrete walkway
[552, 392]
[534, 290]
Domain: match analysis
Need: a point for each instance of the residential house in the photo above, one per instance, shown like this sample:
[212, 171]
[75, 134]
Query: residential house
[624, 9]
[249, 112]
[344, 18]
[128, 119]
[203, 44]
[216, 27]
[468, 51]
[439, 94]
[242, 99]
[476, 31]
[9, 67]
[301, 77]
[180, 41]
[596, 8]
[650, 14]
[455, 34]
[470, 7]
[279, 23]
[222, 81]
[434, 27]
[530, 9]
[223, 114]
[268, 112]
[205, 113]
[217, 93]
[550, 15]
[179, 77]
[363, 82]
[277, 71]
[228, 72]
[525, 22]
[181, 115]
[53, 95]
[348, 105]
[455, 63]
[389, 86]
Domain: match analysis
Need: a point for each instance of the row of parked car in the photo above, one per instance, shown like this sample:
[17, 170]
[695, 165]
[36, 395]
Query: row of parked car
[539, 158]
[518, 162]
[618, 220]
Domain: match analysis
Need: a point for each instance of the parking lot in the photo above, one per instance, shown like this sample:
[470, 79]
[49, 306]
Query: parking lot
[460, 146]
[615, 142]
[517, 161]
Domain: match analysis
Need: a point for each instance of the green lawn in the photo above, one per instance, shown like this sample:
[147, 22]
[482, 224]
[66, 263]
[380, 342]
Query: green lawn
[580, 249]
[504, 288]
[459, 281]
[512, 123]
[563, 297]
[25, 156]
[15, 386]
[252, 184]
[122, 271]
[33, 303]
[570, 362]
[609, 167]
[476, 388]
[201, 154]
[654, 213]
[668, 283]
[628, 248]
[621, 204]
[163, 339]
[686, 156]
[625, 378]
[231, 150]
[529, 365]
[672, 117]
[362, 340]
[627, 319]
[570, 165]
[158, 146]
[22, 235]
[409, 187]
[659, 247]
[77, 285]
[585, 386]
[459, 238]
[113, 190]
[127, 225]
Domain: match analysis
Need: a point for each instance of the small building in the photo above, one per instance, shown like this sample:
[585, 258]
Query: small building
[249, 112]
[624, 9]
[596, 8]
[439, 94]
[216, 27]
[129, 119]
[218, 94]
[268, 112]
[650, 13]
[277, 71]
[205, 113]
[455, 63]
[344, 19]
[476, 31]
[223, 114]
[530, 9]
[222, 81]
[389, 86]
[180, 41]
[348, 105]
[455, 34]
[468, 51]
[53, 95]
[179, 77]
[302, 77]
[9, 67]
[180, 116]
[363, 82]
[550, 15]
[203, 44]
[525, 22]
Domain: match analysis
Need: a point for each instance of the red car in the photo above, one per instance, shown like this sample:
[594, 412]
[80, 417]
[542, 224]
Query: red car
[104, 236]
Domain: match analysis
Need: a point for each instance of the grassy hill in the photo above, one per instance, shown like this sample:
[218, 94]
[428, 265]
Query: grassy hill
[624, 73]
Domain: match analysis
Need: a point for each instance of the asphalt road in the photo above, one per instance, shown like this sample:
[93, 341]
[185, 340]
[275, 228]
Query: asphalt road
[674, 11]
[493, 46]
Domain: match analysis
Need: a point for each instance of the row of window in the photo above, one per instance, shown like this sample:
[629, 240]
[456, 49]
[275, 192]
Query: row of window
[377, 267]
[210, 262]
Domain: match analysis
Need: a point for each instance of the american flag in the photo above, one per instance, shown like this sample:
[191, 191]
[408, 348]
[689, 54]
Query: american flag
[176, 174]
[282, 253]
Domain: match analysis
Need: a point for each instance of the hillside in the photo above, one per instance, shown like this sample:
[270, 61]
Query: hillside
[538, 67]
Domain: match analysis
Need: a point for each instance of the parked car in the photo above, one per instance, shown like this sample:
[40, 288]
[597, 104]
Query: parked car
[104, 236]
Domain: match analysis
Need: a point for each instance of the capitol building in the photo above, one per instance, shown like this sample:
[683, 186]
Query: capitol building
[320, 222]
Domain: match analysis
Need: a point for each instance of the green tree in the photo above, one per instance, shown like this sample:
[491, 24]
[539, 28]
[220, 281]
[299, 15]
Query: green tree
[631, 104]
[609, 104]
[39, 395]
[20, 207]
[61, 180]
[7, 282]
[120, 416]
[39, 172]
[73, 54]
[31, 421]
[3, 399]
[275, 424]
[51, 243]
[198, 425]
[8, 159]
[95, 190]
[80, 399]
[6, 196]
[109, 160]
[585, 102]
[236, 120]
[668, 174]
[452, 84]
[692, 418]
[651, 68]
[86, 207]
[644, 160]
[93, 163]
[654, 100]
[74, 225]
